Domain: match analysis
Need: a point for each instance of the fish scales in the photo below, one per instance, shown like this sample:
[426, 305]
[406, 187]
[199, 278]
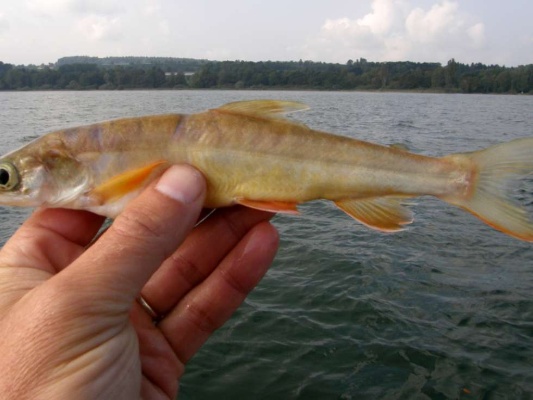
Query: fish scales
[275, 157]
[251, 155]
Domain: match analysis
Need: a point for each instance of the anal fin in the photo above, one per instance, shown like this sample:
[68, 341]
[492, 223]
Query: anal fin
[386, 214]
[124, 183]
[285, 207]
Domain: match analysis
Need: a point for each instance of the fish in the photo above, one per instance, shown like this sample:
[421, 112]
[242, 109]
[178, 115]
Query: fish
[253, 155]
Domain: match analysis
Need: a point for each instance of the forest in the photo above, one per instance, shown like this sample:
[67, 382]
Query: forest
[121, 73]
[167, 64]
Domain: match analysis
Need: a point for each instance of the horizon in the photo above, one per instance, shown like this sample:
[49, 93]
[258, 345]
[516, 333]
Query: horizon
[91, 73]
[263, 61]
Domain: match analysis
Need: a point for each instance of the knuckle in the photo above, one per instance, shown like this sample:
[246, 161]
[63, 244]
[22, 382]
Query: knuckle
[233, 227]
[141, 225]
[201, 319]
[187, 269]
[235, 284]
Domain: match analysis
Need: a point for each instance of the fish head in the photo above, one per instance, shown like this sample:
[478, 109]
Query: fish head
[40, 175]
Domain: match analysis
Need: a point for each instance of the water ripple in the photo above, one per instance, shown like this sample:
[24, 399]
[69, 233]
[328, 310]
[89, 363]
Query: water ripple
[440, 311]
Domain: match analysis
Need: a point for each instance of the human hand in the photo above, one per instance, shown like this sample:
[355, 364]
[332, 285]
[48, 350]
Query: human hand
[70, 326]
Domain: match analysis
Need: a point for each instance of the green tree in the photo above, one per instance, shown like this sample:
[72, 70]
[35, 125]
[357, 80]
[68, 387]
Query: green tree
[450, 74]
[437, 78]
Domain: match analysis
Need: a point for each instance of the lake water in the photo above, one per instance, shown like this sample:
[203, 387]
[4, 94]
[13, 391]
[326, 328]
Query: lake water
[443, 310]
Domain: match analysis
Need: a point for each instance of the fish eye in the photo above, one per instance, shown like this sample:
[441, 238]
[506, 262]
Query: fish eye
[8, 176]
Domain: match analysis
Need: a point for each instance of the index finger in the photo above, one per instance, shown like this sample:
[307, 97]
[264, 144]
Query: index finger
[151, 227]
[50, 239]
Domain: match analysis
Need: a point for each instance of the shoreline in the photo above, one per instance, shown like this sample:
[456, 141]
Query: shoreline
[264, 89]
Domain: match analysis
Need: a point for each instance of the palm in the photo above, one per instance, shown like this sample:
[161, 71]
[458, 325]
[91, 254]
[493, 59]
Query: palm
[99, 340]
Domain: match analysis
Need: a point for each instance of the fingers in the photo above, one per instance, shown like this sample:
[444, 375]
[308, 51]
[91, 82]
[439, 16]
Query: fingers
[199, 255]
[211, 303]
[150, 229]
[50, 239]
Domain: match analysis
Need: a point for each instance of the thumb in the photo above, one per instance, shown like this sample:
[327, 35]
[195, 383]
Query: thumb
[147, 232]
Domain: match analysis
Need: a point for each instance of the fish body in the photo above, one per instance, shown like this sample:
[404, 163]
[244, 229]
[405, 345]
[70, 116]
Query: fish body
[252, 156]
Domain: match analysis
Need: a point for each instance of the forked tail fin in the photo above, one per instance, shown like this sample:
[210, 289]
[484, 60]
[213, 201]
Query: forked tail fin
[490, 194]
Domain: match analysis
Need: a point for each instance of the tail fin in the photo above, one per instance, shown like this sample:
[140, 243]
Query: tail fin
[490, 195]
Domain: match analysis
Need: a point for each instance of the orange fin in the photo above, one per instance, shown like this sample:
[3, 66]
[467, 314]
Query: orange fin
[267, 108]
[124, 183]
[386, 214]
[399, 146]
[490, 195]
[285, 207]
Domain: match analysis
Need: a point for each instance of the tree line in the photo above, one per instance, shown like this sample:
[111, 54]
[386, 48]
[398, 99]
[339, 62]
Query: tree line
[365, 75]
[167, 64]
[361, 74]
[86, 77]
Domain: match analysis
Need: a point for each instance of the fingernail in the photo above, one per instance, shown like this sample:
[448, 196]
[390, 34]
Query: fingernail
[181, 183]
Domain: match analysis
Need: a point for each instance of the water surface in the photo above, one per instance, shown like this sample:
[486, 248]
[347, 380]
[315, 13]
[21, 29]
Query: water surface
[443, 310]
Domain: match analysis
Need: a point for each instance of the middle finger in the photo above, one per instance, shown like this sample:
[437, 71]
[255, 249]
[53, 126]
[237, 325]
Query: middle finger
[199, 255]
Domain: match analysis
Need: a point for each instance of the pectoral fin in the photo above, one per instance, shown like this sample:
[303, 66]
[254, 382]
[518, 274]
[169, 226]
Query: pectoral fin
[124, 183]
[386, 214]
[284, 207]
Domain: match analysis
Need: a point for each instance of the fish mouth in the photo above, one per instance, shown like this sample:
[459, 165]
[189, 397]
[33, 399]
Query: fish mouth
[17, 200]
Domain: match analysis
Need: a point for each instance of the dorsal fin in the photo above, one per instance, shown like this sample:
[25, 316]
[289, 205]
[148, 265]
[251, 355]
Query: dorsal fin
[266, 108]
[399, 146]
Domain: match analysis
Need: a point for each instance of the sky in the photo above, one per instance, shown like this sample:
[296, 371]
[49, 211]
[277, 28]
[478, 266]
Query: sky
[487, 31]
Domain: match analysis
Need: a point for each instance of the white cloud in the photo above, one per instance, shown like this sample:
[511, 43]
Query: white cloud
[4, 23]
[151, 11]
[442, 19]
[373, 36]
[48, 7]
[99, 28]
[34, 31]
[395, 30]
[219, 53]
[98, 7]
[152, 7]
[54, 7]
[380, 20]
[378, 23]
[164, 27]
[477, 34]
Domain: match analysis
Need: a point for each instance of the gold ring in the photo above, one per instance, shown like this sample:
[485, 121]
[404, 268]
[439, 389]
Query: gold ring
[149, 310]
